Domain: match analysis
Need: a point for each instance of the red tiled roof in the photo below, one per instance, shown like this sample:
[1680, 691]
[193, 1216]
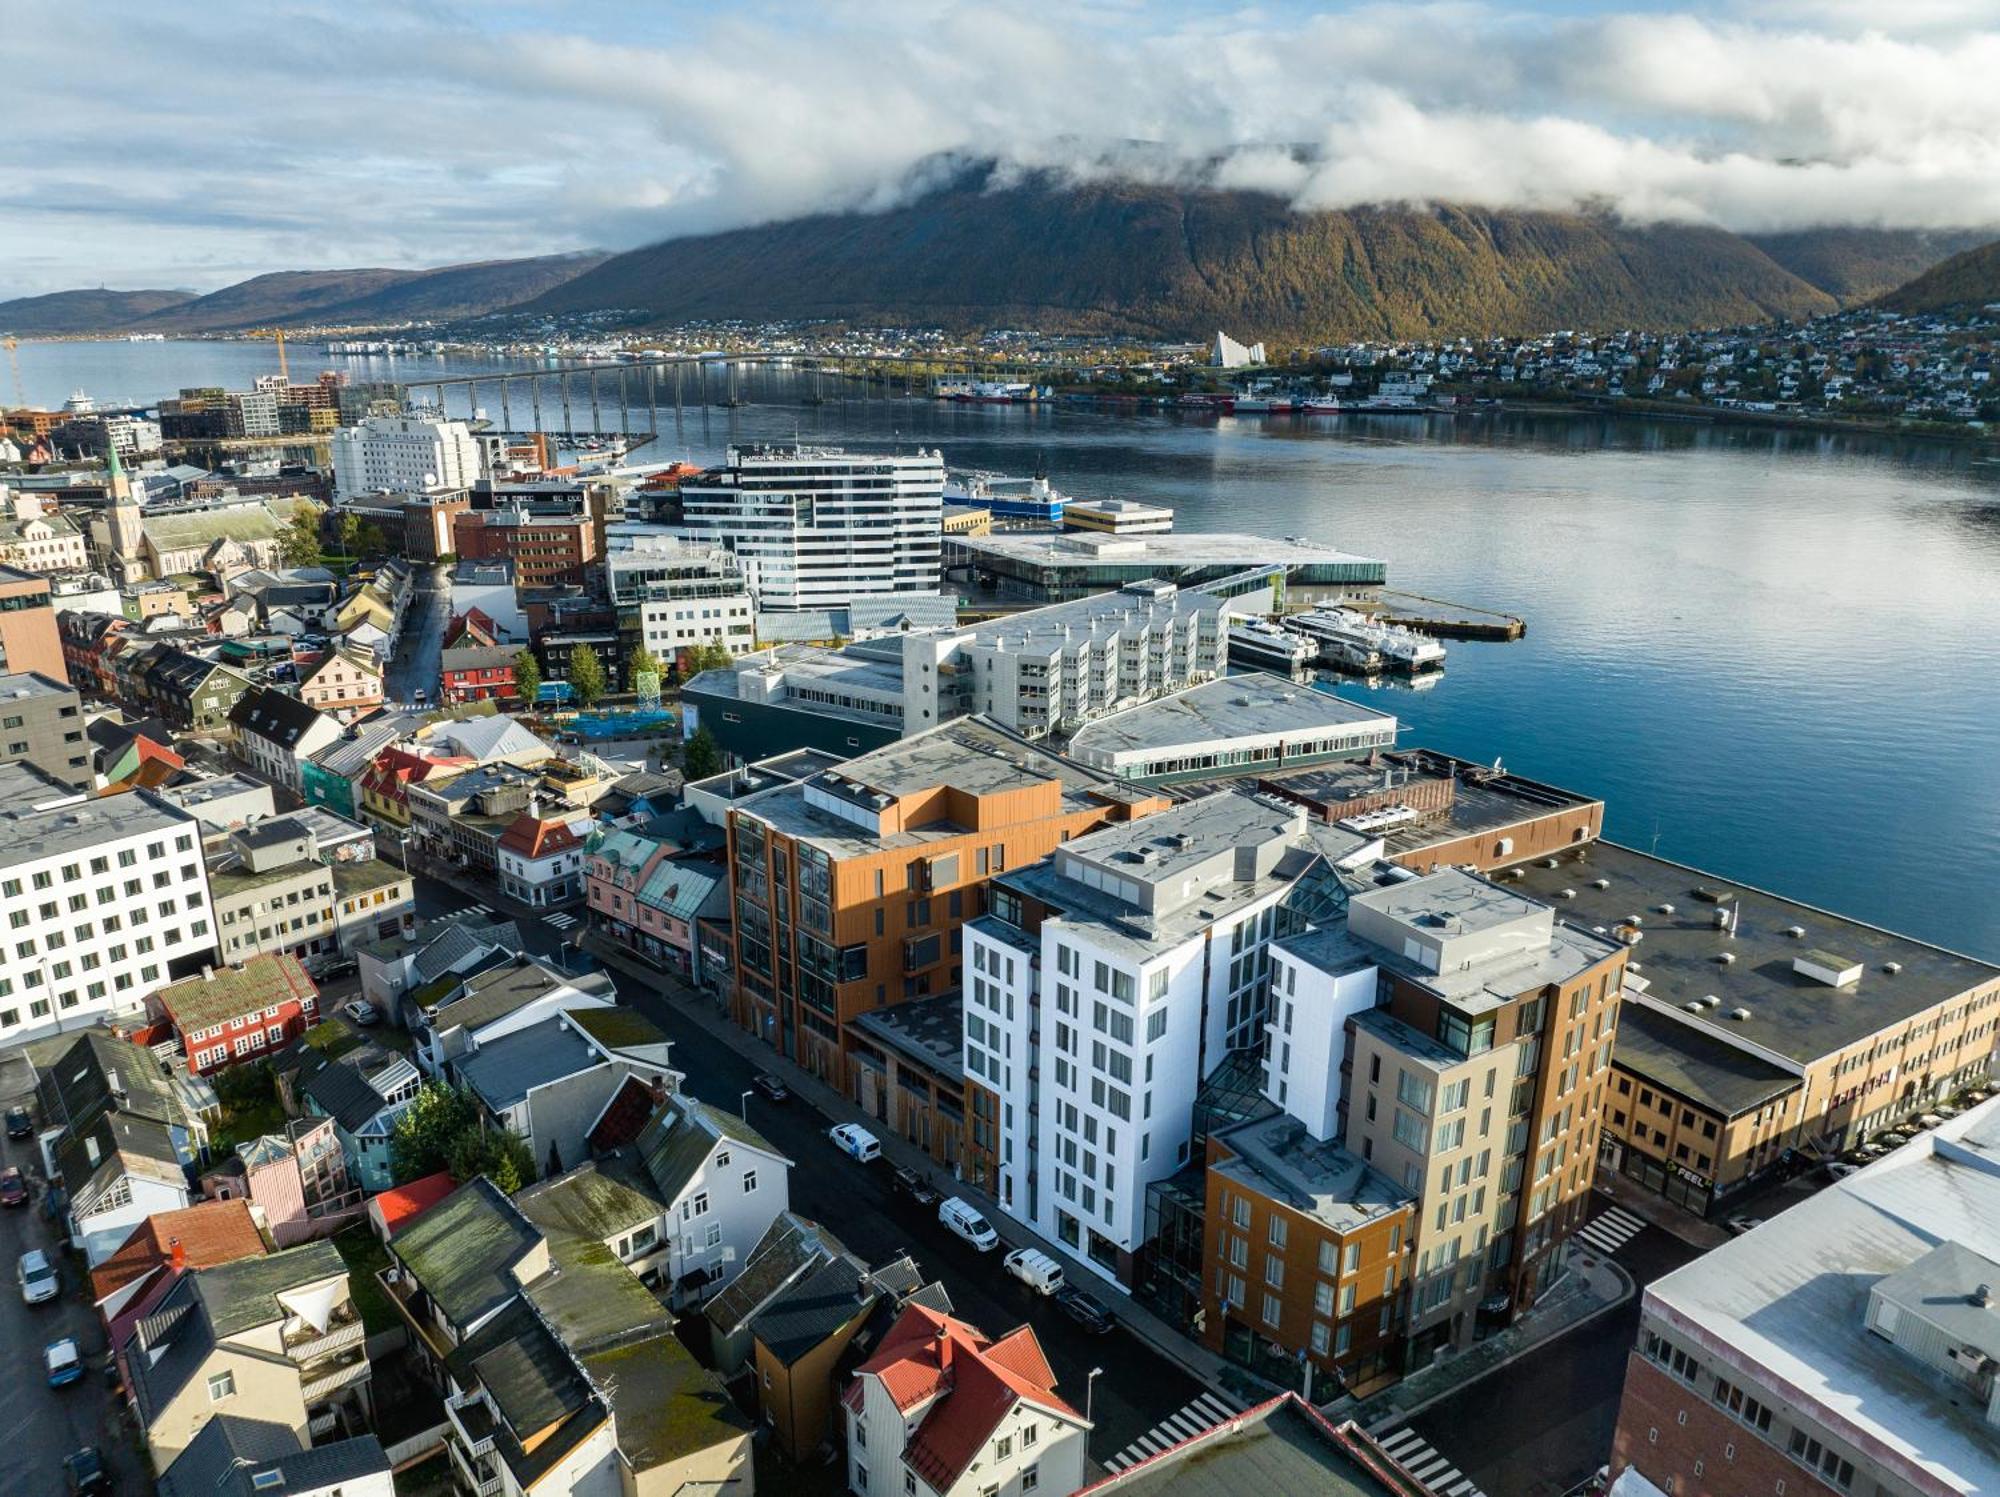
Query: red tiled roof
[209, 1234]
[535, 837]
[403, 1204]
[975, 1382]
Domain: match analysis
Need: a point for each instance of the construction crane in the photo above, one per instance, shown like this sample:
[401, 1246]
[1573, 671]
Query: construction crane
[279, 334]
[13, 345]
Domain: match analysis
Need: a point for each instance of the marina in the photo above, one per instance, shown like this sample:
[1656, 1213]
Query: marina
[1349, 640]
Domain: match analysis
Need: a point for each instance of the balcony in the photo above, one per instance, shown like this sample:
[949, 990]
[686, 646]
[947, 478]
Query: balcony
[329, 1375]
[343, 1330]
[472, 1425]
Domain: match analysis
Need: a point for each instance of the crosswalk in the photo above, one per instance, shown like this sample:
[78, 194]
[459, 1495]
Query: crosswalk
[561, 920]
[484, 909]
[1611, 1229]
[1207, 1411]
[1420, 1458]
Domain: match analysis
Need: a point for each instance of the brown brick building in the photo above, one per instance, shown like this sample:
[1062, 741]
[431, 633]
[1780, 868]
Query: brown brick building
[548, 550]
[1306, 1248]
[29, 640]
[850, 887]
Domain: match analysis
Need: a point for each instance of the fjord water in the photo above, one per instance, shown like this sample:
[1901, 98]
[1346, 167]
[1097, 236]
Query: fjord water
[1775, 656]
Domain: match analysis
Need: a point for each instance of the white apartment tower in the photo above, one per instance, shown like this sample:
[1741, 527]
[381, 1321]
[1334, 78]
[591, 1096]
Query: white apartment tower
[1109, 980]
[813, 527]
[98, 898]
[412, 454]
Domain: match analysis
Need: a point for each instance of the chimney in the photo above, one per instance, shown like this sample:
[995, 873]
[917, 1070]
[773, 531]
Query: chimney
[944, 1349]
[208, 974]
[1983, 1296]
[180, 1254]
[90, 1148]
[658, 1088]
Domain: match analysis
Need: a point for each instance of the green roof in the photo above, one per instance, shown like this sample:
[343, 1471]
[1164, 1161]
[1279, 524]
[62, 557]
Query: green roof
[667, 1405]
[617, 1028]
[224, 993]
[239, 522]
[464, 1250]
[588, 1203]
[364, 875]
[242, 1295]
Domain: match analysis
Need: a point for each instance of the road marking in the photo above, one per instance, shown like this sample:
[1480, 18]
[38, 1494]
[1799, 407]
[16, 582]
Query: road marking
[1611, 1229]
[1183, 1424]
[1422, 1460]
[560, 922]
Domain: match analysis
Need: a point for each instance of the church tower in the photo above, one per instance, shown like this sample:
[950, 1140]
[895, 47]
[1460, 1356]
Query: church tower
[128, 532]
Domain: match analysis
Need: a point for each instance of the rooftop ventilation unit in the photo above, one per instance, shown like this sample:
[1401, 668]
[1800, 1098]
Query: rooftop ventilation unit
[1739, 1013]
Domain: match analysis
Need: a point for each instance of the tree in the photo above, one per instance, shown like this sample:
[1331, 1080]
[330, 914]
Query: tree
[644, 663]
[713, 656]
[299, 544]
[586, 675]
[425, 1135]
[371, 539]
[501, 1156]
[348, 530]
[527, 676]
[702, 756]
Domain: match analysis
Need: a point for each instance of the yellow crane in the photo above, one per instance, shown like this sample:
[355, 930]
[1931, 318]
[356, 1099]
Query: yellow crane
[279, 334]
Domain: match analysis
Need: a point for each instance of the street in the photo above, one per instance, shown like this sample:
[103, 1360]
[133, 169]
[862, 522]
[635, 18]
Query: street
[1140, 1387]
[39, 1425]
[414, 666]
[1541, 1425]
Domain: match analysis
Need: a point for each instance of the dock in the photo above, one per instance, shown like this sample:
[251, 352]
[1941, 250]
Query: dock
[1444, 620]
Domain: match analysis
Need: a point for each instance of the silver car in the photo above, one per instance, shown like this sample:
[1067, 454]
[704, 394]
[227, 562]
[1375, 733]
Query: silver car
[39, 1280]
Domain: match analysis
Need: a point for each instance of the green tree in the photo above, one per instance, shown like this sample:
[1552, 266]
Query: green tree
[713, 656]
[527, 676]
[644, 663]
[425, 1136]
[702, 756]
[348, 529]
[501, 1156]
[371, 539]
[299, 545]
[586, 675]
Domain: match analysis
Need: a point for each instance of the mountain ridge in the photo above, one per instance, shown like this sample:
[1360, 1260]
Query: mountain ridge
[1969, 279]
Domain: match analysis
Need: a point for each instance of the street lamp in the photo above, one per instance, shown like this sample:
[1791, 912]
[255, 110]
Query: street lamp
[743, 1106]
[1090, 1391]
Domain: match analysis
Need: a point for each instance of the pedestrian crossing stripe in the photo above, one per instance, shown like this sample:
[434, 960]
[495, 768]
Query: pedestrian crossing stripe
[1611, 1229]
[560, 922]
[1186, 1422]
[1421, 1459]
[484, 909]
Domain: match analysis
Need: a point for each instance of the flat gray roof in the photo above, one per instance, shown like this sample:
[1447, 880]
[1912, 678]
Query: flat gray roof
[1694, 1064]
[1255, 704]
[1790, 1299]
[17, 684]
[931, 1031]
[1678, 957]
[1277, 1157]
[1449, 900]
[40, 818]
[1058, 623]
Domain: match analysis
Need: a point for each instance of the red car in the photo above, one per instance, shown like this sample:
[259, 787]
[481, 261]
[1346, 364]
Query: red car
[13, 1188]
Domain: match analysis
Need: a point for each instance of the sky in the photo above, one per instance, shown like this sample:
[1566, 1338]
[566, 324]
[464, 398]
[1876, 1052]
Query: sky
[192, 145]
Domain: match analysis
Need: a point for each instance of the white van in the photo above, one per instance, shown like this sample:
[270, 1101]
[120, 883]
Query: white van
[964, 1219]
[1036, 1269]
[854, 1140]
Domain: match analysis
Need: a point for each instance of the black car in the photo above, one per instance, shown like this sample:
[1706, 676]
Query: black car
[771, 1087]
[86, 1472]
[1085, 1311]
[913, 1185]
[19, 1124]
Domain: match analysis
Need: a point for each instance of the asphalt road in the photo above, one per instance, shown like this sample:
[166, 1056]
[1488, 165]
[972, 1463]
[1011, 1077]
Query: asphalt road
[1539, 1426]
[39, 1425]
[1140, 1386]
[414, 666]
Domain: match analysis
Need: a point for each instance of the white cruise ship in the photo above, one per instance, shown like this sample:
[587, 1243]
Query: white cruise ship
[1259, 644]
[1355, 642]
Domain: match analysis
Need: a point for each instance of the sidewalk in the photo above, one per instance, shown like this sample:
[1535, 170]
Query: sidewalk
[1660, 1212]
[1594, 1286]
[701, 1009]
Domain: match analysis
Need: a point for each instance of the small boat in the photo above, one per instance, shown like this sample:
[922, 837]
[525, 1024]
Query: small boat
[1259, 644]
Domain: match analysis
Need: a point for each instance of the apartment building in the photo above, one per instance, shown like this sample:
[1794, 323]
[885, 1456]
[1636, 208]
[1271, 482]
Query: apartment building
[28, 637]
[275, 733]
[1758, 1025]
[1470, 1033]
[1307, 1244]
[345, 685]
[812, 527]
[41, 725]
[679, 596]
[851, 886]
[1107, 981]
[307, 885]
[1845, 1348]
[546, 550]
[403, 454]
[104, 900]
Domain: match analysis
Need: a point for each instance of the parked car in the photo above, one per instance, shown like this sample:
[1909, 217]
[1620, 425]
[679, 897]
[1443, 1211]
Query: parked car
[962, 1218]
[1036, 1269]
[19, 1124]
[772, 1088]
[85, 1474]
[1738, 1225]
[63, 1362]
[1084, 1310]
[1840, 1169]
[856, 1141]
[913, 1185]
[13, 1186]
[38, 1277]
[360, 1011]
[334, 971]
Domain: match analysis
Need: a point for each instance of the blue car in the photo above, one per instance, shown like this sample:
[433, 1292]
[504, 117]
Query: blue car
[63, 1362]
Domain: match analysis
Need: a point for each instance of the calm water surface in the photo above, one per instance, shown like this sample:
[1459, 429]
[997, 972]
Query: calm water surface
[1776, 657]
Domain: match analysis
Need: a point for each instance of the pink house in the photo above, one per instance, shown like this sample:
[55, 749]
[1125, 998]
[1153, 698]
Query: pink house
[297, 1179]
[646, 894]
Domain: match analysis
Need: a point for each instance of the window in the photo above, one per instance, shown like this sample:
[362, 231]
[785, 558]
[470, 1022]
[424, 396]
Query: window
[1003, 1447]
[1274, 1308]
[1031, 1478]
[749, 1182]
[1414, 1091]
[1742, 1406]
[1029, 1434]
[1814, 1456]
[1278, 1229]
[221, 1386]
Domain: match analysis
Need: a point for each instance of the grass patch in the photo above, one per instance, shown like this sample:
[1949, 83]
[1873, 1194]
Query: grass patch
[362, 1251]
[332, 1038]
[241, 1124]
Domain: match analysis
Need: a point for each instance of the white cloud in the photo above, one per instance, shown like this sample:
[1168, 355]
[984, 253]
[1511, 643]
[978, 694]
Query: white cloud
[194, 147]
